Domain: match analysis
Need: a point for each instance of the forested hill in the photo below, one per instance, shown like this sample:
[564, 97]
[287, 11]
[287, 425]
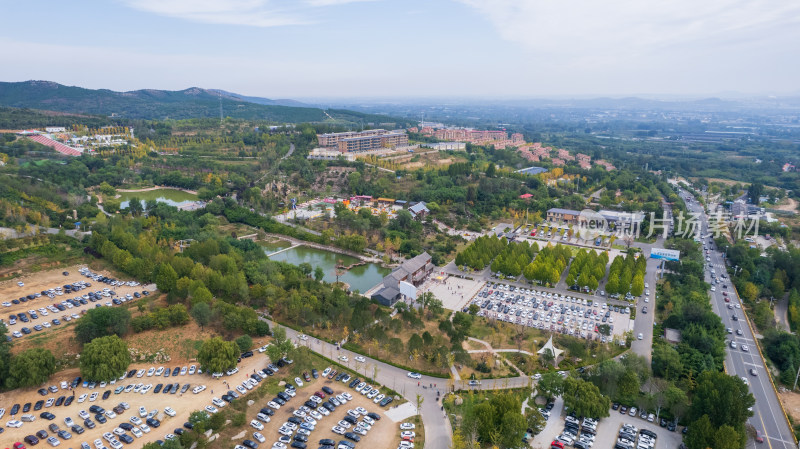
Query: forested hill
[159, 104]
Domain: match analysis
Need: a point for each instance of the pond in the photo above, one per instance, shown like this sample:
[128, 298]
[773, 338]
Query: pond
[172, 197]
[361, 278]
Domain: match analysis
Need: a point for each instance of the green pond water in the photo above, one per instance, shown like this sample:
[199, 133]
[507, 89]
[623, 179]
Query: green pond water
[360, 278]
[169, 196]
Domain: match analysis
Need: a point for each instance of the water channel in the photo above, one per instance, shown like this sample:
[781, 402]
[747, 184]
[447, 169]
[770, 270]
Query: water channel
[172, 197]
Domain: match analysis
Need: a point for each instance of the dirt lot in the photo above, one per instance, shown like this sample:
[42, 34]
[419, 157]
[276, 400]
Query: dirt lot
[791, 402]
[50, 279]
[182, 404]
[383, 435]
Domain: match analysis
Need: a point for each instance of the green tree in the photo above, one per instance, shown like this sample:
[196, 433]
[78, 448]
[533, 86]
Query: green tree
[167, 278]
[551, 385]
[201, 295]
[244, 342]
[666, 362]
[318, 274]
[535, 420]
[102, 321]
[199, 420]
[584, 398]
[724, 399]
[31, 367]
[513, 427]
[700, 434]
[201, 313]
[726, 437]
[750, 291]
[104, 358]
[217, 355]
[281, 346]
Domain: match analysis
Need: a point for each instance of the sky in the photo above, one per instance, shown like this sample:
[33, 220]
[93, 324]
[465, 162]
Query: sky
[307, 49]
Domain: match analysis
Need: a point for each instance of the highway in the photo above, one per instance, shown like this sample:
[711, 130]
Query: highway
[768, 417]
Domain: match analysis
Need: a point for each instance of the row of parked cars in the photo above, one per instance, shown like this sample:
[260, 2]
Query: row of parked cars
[643, 414]
[630, 437]
[577, 433]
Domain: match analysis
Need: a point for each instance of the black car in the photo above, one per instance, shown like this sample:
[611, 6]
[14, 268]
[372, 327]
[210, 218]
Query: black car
[386, 401]
[298, 445]
[42, 391]
[227, 398]
[279, 400]
[178, 431]
[352, 436]
[125, 438]
[268, 372]
[97, 409]
[158, 388]
[89, 423]
[284, 396]
[76, 381]
[176, 371]
[47, 415]
[53, 427]
[38, 405]
[188, 425]
[355, 382]
[281, 363]
[315, 373]
[26, 408]
[152, 422]
[310, 404]
[327, 390]
[302, 438]
[250, 443]
[60, 401]
[167, 372]
[14, 410]
[126, 426]
[100, 418]
[32, 440]
[78, 429]
[42, 434]
[349, 444]
[131, 373]
[167, 388]
[106, 394]
[374, 416]
[295, 420]
[267, 411]
[327, 441]
[350, 419]
[247, 354]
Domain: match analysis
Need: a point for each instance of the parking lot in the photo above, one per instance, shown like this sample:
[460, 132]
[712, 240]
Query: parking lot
[564, 313]
[147, 386]
[607, 431]
[52, 298]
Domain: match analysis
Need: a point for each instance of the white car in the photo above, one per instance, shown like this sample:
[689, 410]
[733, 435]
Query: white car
[256, 425]
[241, 389]
[379, 398]
[93, 397]
[69, 422]
[192, 369]
[414, 375]
[142, 411]
[82, 397]
[273, 405]
[361, 410]
[184, 370]
[298, 381]
[218, 402]
[344, 424]
[407, 426]
[211, 409]
[110, 414]
[159, 371]
[303, 337]
[326, 371]
[407, 434]
[140, 373]
[14, 423]
[258, 437]
[151, 371]
[145, 428]
[344, 358]
[169, 411]
[83, 414]
[135, 420]
[360, 359]
[136, 432]
[339, 430]
[198, 389]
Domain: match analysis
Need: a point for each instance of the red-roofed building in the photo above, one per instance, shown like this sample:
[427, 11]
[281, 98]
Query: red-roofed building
[525, 196]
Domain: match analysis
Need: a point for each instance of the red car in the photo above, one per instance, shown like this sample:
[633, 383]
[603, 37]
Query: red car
[557, 444]
[759, 437]
[19, 446]
[727, 299]
[320, 395]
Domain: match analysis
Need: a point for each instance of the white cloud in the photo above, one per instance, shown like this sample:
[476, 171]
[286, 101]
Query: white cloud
[257, 13]
[606, 32]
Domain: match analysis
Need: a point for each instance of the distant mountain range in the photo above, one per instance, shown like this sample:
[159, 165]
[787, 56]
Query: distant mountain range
[193, 102]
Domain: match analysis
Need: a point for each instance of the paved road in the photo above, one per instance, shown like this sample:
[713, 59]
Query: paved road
[768, 416]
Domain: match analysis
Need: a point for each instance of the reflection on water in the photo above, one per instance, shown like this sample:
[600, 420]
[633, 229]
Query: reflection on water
[360, 278]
